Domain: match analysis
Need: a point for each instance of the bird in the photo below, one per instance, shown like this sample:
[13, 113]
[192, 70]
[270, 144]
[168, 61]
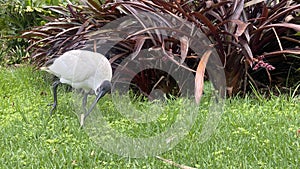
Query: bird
[81, 69]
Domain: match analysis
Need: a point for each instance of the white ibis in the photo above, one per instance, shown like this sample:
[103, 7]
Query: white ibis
[85, 70]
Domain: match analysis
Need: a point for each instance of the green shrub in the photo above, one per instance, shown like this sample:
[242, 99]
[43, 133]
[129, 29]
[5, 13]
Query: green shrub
[17, 16]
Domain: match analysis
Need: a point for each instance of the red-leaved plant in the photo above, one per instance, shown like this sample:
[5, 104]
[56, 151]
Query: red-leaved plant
[256, 40]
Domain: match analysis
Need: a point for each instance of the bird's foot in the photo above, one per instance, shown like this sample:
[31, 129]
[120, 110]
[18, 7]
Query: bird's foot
[81, 120]
[53, 108]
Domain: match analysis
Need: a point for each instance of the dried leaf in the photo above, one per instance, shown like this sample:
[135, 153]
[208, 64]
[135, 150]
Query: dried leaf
[199, 79]
[184, 47]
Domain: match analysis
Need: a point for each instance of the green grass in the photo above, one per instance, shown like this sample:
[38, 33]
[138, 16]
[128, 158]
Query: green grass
[252, 133]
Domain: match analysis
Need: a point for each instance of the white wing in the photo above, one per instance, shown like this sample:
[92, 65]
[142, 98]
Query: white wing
[73, 65]
[82, 69]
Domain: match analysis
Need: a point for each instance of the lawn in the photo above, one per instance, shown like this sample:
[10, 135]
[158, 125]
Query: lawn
[252, 133]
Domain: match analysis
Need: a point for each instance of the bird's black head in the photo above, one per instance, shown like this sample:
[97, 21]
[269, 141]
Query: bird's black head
[104, 88]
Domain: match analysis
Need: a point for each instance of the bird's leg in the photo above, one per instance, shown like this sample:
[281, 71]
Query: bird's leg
[83, 116]
[102, 90]
[84, 101]
[54, 89]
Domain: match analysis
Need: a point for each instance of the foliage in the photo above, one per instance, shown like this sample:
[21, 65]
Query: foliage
[262, 136]
[17, 16]
[255, 40]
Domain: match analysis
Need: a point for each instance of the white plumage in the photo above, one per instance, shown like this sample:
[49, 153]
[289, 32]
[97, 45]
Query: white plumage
[82, 69]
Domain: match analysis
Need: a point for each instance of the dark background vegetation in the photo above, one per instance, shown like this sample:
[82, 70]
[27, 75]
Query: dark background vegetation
[257, 44]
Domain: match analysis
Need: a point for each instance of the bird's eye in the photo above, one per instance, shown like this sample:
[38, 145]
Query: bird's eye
[99, 89]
